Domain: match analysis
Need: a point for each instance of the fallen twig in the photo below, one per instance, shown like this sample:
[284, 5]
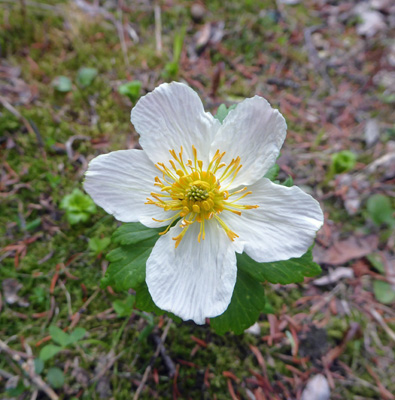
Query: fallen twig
[380, 320]
[31, 127]
[154, 357]
[69, 144]
[158, 29]
[28, 368]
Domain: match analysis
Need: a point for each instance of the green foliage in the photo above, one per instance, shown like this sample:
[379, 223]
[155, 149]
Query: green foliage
[380, 210]
[16, 391]
[86, 76]
[289, 271]
[288, 182]
[53, 180]
[41, 35]
[131, 90]
[38, 296]
[49, 351]
[124, 308]
[38, 366]
[79, 207]
[144, 300]
[273, 172]
[63, 340]
[376, 262]
[383, 292]
[223, 111]
[62, 84]
[248, 301]
[98, 245]
[8, 122]
[343, 161]
[58, 336]
[127, 262]
[172, 67]
[55, 377]
[34, 224]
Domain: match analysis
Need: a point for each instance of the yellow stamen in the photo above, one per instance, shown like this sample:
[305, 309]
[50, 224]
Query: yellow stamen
[195, 194]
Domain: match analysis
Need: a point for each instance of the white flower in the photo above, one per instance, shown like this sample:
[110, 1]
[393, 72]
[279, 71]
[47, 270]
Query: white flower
[209, 176]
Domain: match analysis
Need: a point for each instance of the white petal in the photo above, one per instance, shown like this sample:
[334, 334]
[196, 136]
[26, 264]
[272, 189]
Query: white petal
[120, 182]
[284, 225]
[255, 132]
[194, 280]
[170, 117]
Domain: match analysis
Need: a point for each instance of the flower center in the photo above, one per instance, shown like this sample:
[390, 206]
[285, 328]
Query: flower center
[195, 194]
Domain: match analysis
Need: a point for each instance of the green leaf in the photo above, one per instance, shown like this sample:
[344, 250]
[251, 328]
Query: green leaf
[383, 292]
[38, 366]
[380, 210]
[144, 300]
[55, 377]
[78, 201]
[59, 336]
[97, 245]
[343, 161]
[127, 263]
[86, 76]
[17, 390]
[49, 351]
[76, 335]
[222, 112]
[79, 207]
[30, 226]
[288, 182]
[124, 308]
[134, 232]
[172, 67]
[376, 262]
[62, 84]
[289, 271]
[248, 300]
[273, 172]
[131, 90]
[177, 44]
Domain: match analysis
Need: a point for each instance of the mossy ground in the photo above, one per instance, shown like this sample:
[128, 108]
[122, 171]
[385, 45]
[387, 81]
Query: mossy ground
[50, 258]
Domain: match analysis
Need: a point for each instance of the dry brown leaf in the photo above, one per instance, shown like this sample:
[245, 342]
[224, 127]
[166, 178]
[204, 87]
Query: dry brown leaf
[346, 250]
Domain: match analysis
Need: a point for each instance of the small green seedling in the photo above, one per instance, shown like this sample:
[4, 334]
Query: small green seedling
[223, 111]
[172, 67]
[380, 210]
[124, 308]
[62, 339]
[79, 207]
[131, 90]
[86, 76]
[97, 245]
[62, 84]
[343, 161]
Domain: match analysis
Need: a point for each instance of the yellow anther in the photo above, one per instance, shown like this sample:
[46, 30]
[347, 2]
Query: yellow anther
[206, 205]
[195, 195]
